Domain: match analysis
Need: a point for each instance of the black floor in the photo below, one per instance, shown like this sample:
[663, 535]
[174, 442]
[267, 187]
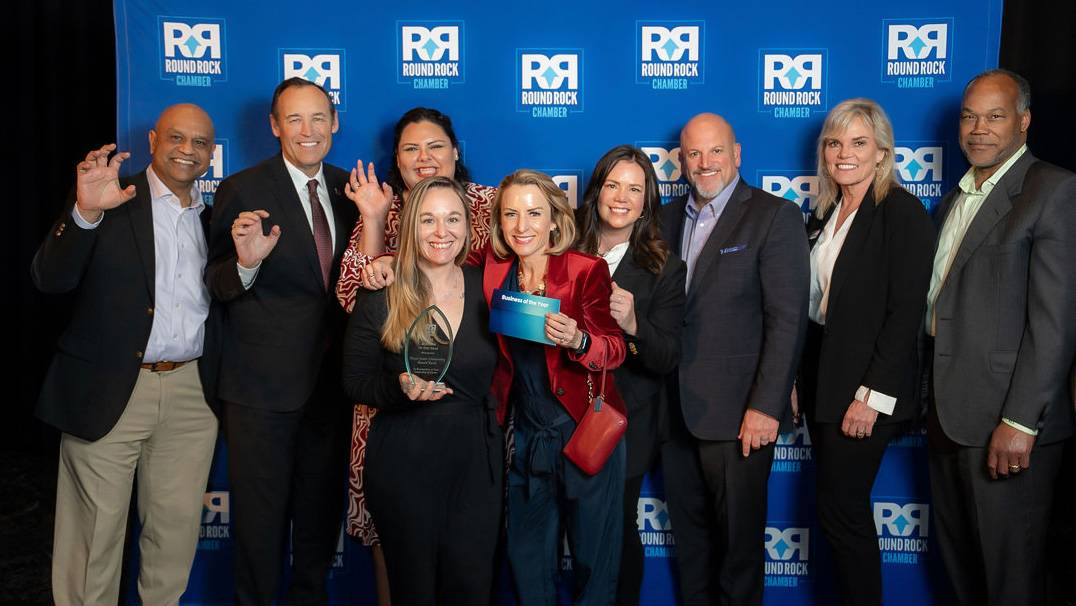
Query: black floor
[27, 498]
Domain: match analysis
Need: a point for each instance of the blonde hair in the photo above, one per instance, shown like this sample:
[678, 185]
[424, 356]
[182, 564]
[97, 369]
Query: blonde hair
[560, 239]
[410, 293]
[839, 119]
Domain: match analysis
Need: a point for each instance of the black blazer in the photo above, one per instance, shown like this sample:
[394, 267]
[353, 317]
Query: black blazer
[281, 338]
[1006, 315]
[112, 270]
[874, 318]
[746, 312]
[652, 354]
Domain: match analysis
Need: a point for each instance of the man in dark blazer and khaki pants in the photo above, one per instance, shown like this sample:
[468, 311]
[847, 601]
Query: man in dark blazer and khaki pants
[1002, 311]
[133, 373]
[746, 316]
[286, 419]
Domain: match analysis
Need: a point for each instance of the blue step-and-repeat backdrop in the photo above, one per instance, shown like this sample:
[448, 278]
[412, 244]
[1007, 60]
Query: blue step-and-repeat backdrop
[552, 85]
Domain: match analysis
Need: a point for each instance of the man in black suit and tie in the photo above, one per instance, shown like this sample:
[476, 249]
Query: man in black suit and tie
[1002, 311]
[286, 419]
[130, 383]
[747, 291]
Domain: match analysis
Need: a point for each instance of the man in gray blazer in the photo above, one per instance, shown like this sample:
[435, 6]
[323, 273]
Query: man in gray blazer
[744, 324]
[1002, 311]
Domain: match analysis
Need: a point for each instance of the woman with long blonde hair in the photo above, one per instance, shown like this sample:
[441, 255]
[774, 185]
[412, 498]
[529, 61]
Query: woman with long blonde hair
[434, 455]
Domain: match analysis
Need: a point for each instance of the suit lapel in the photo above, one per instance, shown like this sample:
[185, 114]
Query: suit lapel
[494, 271]
[858, 234]
[340, 205]
[629, 275]
[997, 204]
[675, 228]
[557, 285]
[726, 223]
[140, 212]
[293, 221]
[815, 226]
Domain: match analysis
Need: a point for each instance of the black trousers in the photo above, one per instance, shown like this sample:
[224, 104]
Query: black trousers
[846, 469]
[283, 466]
[992, 534]
[434, 485]
[717, 506]
[629, 582]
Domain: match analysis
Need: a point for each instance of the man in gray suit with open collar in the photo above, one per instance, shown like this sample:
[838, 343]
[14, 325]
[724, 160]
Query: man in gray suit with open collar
[744, 325]
[1002, 311]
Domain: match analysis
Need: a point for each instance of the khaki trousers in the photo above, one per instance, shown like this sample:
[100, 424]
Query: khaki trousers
[166, 435]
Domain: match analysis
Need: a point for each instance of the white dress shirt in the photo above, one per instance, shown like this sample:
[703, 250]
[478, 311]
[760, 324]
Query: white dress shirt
[180, 297]
[614, 255]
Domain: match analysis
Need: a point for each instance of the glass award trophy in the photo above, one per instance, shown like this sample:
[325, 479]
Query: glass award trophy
[428, 346]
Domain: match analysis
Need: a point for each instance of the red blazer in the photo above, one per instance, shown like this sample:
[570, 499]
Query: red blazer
[582, 284]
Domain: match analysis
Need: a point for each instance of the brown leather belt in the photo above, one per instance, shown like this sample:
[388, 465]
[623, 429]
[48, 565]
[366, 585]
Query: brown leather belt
[163, 366]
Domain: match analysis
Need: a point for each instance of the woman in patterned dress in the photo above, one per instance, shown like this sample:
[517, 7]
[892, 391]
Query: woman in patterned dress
[425, 145]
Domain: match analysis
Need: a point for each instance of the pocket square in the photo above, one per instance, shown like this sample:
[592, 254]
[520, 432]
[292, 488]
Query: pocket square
[733, 249]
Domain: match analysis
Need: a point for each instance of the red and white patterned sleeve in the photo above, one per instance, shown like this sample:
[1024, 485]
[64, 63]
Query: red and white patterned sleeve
[354, 261]
[481, 200]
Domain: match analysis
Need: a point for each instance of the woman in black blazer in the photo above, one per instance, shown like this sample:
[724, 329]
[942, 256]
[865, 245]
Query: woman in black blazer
[871, 258]
[620, 220]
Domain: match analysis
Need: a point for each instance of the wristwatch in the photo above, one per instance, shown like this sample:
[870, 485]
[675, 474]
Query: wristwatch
[584, 344]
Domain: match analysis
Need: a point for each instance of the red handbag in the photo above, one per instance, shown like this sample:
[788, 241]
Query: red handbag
[598, 431]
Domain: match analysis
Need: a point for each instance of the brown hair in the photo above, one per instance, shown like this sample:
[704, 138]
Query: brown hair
[648, 248]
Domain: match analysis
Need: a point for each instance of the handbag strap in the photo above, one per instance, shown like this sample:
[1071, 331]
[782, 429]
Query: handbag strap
[598, 401]
[601, 388]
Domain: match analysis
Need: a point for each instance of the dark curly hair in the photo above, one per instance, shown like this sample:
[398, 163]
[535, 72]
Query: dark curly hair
[423, 114]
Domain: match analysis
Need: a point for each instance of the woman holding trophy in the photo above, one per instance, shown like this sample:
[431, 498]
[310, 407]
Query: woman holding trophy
[434, 454]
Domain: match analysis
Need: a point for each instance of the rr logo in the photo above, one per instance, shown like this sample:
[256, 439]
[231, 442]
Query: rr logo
[570, 184]
[902, 520]
[781, 545]
[915, 165]
[323, 69]
[798, 435]
[792, 72]
[917, 42]
[666, 162]
[670, 44]
[653, 514]
[801, 190]
[191, 41]
[430, 44]
[550, 72]
[216, 508]
[216, 163]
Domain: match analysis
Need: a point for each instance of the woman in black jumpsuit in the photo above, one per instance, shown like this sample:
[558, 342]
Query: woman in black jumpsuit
[434, 457]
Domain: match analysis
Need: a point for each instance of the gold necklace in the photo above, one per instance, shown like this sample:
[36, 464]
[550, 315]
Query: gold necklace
[540, 290]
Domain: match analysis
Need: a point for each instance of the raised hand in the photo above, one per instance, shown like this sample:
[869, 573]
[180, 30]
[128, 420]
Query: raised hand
[622, 308]
[251, 243]
[371, 199]
[97, 183]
